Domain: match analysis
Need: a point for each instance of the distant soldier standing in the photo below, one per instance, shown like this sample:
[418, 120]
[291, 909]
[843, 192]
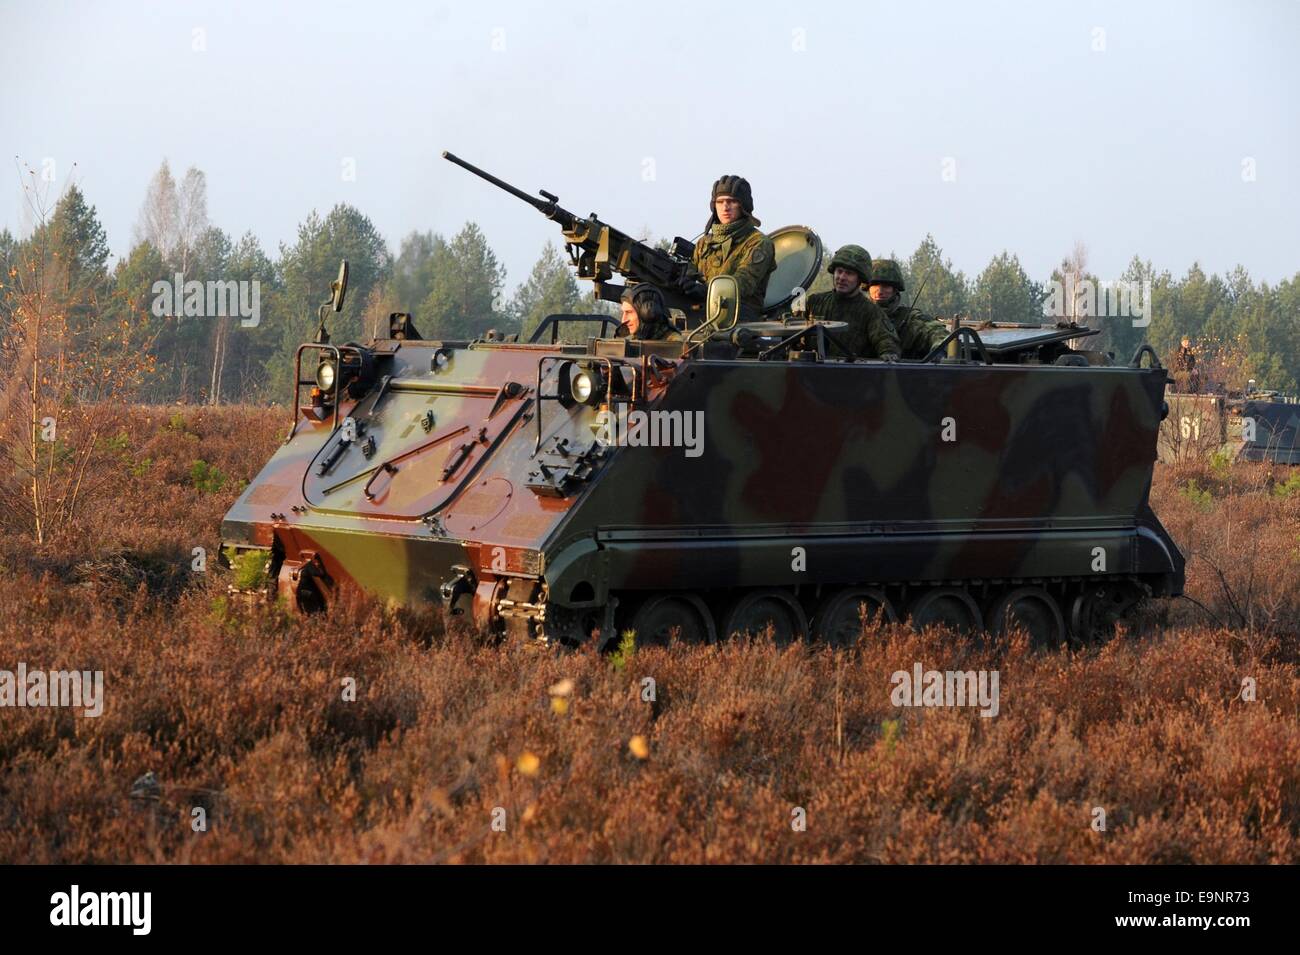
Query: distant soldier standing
[732, 245]
[1185, 366]
[869, 334]
[918, 333]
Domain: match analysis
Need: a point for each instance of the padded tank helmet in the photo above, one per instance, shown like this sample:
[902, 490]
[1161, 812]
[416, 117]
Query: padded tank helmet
[738, 188]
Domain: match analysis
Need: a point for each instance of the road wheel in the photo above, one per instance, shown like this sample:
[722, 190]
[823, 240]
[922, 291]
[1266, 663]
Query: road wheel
[758, 610]
[840, 619]
[664, 618]
[569, 628]
[1033, 610]
[1093, 613]
[946, 607]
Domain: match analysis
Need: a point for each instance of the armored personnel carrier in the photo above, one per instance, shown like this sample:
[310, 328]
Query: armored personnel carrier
[1249, 426]
[748, 478]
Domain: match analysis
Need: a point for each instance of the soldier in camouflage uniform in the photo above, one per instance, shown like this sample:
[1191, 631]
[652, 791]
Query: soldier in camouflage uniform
[732, 245]
[1185, 367]
[918, 333]
[645, 315]
[869, 334]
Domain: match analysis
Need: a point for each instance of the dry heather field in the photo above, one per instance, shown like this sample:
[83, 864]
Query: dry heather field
[238, 711]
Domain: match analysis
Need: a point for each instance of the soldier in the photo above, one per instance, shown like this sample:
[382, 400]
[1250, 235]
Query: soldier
[918, 333]
[732, 245]
[1185, 366]
[869, 334]
[645, 315]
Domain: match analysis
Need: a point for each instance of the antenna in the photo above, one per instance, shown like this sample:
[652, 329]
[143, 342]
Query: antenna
[920, 287]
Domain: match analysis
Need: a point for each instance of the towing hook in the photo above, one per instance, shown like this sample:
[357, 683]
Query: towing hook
[460, 584]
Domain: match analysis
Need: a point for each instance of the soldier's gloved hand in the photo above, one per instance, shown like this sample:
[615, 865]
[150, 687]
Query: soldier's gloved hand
[889, 356]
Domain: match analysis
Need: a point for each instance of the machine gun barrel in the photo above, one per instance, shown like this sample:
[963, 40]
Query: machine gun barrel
[599, 250]
[547, 206]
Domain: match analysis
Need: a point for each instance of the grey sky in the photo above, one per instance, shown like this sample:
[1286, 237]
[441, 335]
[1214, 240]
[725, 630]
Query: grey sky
[841, 115]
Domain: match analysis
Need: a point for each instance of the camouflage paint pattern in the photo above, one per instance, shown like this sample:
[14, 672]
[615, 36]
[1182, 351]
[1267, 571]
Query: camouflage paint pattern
[849, 462]
[805, 475]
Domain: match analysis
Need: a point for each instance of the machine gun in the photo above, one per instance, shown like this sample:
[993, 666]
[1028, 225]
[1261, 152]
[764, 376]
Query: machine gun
[599, 250]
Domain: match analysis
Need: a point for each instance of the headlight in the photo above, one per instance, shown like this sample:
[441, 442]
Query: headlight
[325, 376]
[583, 386]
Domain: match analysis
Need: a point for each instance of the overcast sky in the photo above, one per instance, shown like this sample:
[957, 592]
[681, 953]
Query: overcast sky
[1166, 129]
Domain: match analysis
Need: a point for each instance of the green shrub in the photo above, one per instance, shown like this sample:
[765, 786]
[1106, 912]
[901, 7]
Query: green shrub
[626, 650]
[1197, 495]
[119, 444]
[1289, 487]
[889, 733]
[249, 568]
[206, 477]
[1221, 462]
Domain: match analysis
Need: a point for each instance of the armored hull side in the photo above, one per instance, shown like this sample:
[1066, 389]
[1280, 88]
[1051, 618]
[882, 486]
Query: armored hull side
[880, 473]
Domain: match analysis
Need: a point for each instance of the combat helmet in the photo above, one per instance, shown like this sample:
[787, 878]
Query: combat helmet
[887, 272]
[853, 257]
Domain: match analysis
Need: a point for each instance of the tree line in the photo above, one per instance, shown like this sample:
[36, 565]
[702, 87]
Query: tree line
[455, 287]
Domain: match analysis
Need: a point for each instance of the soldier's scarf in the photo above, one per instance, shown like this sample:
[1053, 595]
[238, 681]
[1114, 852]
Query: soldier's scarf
[724, 235]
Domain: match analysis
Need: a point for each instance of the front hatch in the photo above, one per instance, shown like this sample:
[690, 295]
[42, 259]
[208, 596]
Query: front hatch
[410, 446]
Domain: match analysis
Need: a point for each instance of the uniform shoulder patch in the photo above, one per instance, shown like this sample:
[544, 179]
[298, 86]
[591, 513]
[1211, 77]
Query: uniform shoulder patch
[759, 255]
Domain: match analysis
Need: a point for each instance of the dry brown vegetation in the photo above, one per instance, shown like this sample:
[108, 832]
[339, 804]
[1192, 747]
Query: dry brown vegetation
[238, 710]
